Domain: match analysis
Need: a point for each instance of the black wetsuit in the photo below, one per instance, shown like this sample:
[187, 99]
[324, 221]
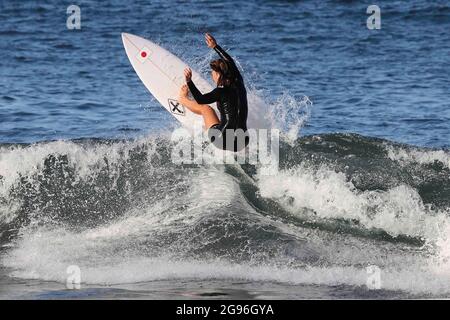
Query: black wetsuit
[232, 104]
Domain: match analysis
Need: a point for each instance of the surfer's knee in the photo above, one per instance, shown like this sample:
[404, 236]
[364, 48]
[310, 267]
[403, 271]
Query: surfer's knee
[205, 109]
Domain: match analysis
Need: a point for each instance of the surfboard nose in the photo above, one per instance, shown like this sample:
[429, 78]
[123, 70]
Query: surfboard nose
[124, 36]
[130, 42]
[131, 39]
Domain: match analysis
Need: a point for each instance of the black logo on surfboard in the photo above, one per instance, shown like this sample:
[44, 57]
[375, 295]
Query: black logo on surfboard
[176, 108]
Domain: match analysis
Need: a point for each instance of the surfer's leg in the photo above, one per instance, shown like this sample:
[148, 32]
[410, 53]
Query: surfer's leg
[209, 116]
[208, 113]
[192, 105]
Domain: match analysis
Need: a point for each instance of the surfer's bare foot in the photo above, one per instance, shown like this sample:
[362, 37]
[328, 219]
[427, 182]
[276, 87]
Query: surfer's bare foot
[183, 95]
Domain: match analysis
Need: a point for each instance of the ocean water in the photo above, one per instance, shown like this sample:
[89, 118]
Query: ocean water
[363, 187]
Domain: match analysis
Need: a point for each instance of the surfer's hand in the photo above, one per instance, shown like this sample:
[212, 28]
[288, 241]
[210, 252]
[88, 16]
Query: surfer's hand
[210, 41]
[184, 91]
[188, 74]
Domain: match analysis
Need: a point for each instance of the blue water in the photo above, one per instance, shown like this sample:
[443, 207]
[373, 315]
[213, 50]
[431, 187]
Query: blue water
[86, 177]
[392, 83]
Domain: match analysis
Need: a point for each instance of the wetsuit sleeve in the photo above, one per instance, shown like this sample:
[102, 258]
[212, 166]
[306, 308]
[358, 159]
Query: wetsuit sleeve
[206, 98]
[227, 58]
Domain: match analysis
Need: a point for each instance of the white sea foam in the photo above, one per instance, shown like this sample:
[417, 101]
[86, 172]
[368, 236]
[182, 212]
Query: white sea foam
[419, 156]
[17, 163]
[398, 211]
[115, 254]
[46, 256]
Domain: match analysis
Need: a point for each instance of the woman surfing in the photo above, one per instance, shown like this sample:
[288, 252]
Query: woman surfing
[230, 131]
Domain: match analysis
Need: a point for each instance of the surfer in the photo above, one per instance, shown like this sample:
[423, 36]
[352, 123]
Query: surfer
[230, 96]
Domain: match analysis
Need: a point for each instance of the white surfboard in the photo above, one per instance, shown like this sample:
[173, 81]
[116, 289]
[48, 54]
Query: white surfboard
[162, 74]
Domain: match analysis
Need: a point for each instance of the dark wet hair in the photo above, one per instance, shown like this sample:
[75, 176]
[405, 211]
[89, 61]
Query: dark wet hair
[221, 67]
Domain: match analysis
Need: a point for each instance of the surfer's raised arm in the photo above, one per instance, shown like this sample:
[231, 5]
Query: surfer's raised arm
[212, 43]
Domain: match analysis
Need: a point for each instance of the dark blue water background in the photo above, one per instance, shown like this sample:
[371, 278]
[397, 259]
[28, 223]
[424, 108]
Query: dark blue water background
[393, 83]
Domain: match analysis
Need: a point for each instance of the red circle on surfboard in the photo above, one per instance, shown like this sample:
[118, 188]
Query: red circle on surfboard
[143, 54]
